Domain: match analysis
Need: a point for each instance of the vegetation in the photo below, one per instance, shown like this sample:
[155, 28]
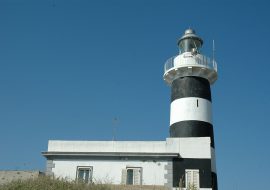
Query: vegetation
[46, 183]
[192, 187]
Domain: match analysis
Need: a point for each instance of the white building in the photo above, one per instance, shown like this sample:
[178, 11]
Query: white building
[121, 162]
[185, 159]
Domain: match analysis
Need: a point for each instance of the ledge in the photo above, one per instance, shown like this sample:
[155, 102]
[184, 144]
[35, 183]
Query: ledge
[110, 154]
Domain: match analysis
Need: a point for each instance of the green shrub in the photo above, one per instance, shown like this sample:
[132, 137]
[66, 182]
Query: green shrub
[47, 183]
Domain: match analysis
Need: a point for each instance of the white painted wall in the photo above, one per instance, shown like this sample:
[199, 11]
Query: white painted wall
[184, 109]
[198, 147]
[107, 146]
[190, 147]
[111, 170]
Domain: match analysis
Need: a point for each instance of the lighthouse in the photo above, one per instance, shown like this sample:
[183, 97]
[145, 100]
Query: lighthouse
[184, 161]
[190, 75]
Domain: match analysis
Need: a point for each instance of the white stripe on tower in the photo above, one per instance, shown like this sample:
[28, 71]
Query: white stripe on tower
[191, 108]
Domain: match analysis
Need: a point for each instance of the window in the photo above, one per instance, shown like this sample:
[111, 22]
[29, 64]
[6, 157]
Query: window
[192, 179]
[84, 174]
[132, 176]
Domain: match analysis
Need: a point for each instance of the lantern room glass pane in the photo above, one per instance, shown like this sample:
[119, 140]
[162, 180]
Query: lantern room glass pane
[188, 44]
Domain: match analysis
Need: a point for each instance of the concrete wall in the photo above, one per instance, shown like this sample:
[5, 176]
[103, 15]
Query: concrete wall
[192, 147]
[107, 146]
[110, 171]
[8, 176]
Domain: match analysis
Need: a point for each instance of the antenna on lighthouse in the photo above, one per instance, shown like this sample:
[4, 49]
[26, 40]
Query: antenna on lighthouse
[214, 50]
[115, 121]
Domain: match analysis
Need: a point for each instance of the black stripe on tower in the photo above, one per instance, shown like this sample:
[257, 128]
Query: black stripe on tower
[214, 181]
[192, 129]
[184, 87]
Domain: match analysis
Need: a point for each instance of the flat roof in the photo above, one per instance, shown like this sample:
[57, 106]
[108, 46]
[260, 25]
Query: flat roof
[110, 154]
[191, 147]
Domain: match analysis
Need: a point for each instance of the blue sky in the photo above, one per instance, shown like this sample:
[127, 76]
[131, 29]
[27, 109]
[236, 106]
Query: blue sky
[68, 68]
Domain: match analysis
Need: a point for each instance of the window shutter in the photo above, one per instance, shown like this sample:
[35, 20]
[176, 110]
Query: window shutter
[124, 177]
[137, 176]
[188, 178]
[196, 179]
[192, 179]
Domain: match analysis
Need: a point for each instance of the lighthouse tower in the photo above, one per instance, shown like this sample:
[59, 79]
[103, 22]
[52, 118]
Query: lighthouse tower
[190, 75]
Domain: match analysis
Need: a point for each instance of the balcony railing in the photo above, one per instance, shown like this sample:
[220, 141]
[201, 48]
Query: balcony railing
[198, 60]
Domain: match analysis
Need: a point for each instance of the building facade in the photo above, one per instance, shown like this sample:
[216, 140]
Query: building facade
[186, 160]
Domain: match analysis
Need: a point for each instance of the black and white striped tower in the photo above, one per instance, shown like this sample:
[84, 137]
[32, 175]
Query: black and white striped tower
[190, 75]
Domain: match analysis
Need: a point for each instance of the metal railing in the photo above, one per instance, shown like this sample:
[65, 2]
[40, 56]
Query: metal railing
[200, 60]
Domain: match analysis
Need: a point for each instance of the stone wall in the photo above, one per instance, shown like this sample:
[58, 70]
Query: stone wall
[7, 176]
